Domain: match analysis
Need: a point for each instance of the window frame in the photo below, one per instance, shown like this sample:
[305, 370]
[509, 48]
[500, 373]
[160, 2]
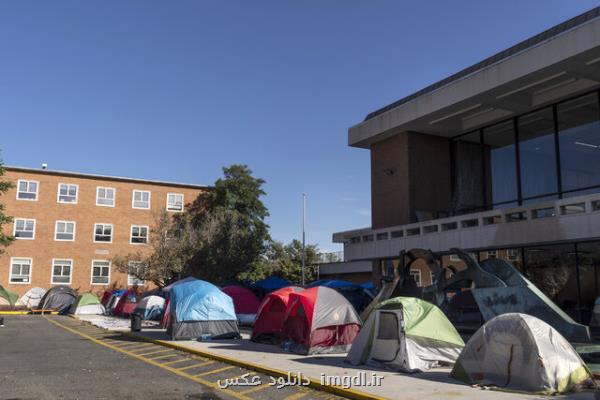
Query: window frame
[414, 271]
[114, 199]
[10, 271]
[58, 200]
[131, 234]
[15, 228]
[182, 201]
[37, 189]
[65, 222]
[133, 192]
[112, 232]
[92, 272]
[54, 260]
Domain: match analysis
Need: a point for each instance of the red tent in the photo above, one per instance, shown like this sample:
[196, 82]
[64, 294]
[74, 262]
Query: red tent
[319, 320]
[271, 314]
[166, 319]
[106, 297]
[244, 300]
[127, 303]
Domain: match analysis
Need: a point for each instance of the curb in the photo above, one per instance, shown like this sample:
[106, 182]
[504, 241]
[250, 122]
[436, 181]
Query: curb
[28, 313]
[314, 383]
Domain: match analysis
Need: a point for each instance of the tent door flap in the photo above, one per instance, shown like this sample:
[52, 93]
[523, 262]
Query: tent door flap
[387, 341]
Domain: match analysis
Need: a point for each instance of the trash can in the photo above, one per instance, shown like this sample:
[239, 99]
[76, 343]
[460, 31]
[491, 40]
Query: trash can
[136, 322]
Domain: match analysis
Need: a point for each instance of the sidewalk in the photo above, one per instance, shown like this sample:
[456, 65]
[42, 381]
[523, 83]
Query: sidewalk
[431, 385]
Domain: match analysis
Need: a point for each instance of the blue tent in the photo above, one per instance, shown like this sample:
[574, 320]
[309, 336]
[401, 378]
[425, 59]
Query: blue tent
[200, 308]
[333, 283]
[271, 284]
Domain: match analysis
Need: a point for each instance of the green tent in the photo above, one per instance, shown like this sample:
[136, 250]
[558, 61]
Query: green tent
[7, 298]
[87, 303]
[407, 334]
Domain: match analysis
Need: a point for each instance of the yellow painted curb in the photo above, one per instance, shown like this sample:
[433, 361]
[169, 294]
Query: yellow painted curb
[28, 313]
[314, 383]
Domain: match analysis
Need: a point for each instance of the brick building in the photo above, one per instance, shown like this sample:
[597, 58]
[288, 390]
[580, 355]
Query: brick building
[68, 226]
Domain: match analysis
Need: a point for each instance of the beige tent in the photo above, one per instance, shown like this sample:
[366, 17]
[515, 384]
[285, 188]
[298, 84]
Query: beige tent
[521, 353]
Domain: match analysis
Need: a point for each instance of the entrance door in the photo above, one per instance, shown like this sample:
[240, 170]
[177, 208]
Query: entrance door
[389, 336]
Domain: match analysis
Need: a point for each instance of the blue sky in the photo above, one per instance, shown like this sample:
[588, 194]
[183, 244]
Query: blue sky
[176, 90]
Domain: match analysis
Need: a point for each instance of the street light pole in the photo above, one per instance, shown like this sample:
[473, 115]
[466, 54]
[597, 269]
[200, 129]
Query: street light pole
[303, 236]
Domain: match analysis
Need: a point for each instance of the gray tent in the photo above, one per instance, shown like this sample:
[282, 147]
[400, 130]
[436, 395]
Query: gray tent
[58, 298]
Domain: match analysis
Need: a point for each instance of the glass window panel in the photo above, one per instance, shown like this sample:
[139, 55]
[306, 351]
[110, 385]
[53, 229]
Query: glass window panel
[537, 153]
[589, 277]
[500, 162]
[552, 269]
[468, 174]
[579, 138]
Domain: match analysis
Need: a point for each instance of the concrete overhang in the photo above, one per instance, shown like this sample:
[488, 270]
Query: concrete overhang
[554, 67]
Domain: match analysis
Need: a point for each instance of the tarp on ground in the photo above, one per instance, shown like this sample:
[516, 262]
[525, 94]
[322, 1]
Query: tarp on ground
[31, 298]
[151, 308]
[245, 302]
[406, 334]
[8, 299]
[319, 320]
[87, 304]
[200, 308]
[58, 298]
[522, 353]
[271, 314]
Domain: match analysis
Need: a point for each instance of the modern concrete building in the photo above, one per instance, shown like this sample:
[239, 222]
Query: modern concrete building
[501, 159]
[68, 226]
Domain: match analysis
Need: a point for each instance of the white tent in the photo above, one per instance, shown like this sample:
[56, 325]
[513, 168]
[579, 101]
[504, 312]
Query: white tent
[31, 299]
[151, 307]
[522, 353]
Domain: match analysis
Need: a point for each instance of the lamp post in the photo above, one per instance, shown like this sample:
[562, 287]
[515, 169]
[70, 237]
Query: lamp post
[303, 236]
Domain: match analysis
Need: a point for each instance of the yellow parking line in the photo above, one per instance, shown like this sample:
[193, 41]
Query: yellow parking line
[195, 365]
[154, 352]
[152, 362]
[296, 396]
[175, 362]
[215, 371]
[161, 357]
[140, 346]
[256, 389]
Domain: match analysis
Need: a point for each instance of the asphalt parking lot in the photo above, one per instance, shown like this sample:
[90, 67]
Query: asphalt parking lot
[62, 358]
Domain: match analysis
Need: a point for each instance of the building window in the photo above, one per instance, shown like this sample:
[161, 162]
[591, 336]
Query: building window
[492, 254]
[596, 205]
[61, 271]
[139, 234]
[413, 231]
[430, 229]
[493, 220]
[141, 199]
[512, 254]
[174, 202]
[577, 208]
[105, 196]
[100, 272]
[468, 173]
[65, 231]
[546, 212]
[454, 258]
[397, 234]
[449, 226]
[578, 129]
[103, 233]
[500, 163]
[382, 236]
[416, 275]
[27, 190]
[24, 228]
[20, 270]
[135, 270]
[67, 193]
[355, 239]
[469, 223]
[516, 216]
[367, 238]
[537, 153]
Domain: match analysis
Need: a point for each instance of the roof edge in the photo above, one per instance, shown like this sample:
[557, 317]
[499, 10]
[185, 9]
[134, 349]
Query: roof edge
[103, 177]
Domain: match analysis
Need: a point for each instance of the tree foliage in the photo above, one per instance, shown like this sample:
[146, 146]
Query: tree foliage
[284, 261]
[220, 235]
[5, 186]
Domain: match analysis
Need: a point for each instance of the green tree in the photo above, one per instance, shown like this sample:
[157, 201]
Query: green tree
[285, 261]
[172, 244]
[5, 239]
[230, 226]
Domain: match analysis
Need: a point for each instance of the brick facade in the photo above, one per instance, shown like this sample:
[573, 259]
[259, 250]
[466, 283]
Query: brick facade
[47, 210]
